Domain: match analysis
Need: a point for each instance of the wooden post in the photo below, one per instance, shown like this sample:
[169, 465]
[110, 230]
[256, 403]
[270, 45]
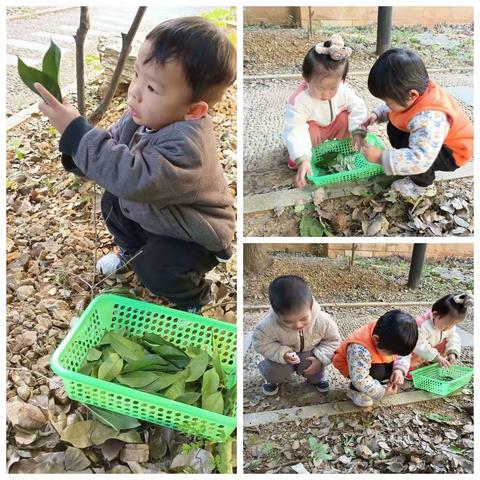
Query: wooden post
[384, 29]
[416, 265]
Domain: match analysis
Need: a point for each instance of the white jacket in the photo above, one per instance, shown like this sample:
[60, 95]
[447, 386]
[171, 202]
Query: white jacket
[303, 108]
[273, 340]
[429, 336]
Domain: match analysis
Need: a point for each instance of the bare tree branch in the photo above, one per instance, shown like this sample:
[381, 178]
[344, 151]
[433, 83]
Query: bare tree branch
[126, 47]
[79, 53]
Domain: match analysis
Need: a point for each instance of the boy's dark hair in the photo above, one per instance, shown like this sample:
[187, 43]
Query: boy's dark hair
[395, 73]
[397, 332]
[207, 56]
[289, 293]
[447, 304]
[322, 63]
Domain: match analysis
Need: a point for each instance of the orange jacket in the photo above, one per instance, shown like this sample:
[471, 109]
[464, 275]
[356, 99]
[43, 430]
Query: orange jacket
[362, 336]
[460, 136]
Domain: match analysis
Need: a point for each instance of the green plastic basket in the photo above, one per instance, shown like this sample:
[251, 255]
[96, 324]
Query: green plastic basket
[363, 169]
[111, 313]
[441, 381]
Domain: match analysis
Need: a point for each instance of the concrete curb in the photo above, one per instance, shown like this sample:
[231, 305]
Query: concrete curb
[336, 408]
[38, 14]
[292, 76]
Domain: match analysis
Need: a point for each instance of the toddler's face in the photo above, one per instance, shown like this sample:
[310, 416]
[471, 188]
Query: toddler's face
[447, 321]
[158, 95]
[297, 320]
[324, 87]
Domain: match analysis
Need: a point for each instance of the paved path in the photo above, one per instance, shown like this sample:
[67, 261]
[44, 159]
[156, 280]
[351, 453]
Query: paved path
[29, 38]
[265, 153]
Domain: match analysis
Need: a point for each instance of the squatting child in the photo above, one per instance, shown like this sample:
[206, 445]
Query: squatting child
[438, 339]
[427, 129]
[375, 353]
[166, 200]
[323, 107]
[295, 336]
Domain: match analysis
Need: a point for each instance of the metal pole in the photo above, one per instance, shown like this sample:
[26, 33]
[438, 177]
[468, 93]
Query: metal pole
[384, 29]
[416, 265]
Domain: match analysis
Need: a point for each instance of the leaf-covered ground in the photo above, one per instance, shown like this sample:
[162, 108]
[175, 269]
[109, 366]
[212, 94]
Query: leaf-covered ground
[55, 233]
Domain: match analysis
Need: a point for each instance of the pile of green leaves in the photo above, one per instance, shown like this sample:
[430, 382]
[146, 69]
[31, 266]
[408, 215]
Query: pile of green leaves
[48, 76]
[334, 162]
[156, 366]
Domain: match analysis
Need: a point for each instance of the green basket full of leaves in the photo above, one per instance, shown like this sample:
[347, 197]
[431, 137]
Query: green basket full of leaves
[335, 161]
[441, 381]
[154, 363]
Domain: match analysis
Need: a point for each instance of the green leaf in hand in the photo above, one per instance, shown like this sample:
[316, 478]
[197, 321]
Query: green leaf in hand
[48, 76]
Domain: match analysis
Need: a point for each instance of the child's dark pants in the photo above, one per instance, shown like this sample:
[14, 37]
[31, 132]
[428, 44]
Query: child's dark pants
[168, 267]
[444, 161]
[378, 371]
[280, 373]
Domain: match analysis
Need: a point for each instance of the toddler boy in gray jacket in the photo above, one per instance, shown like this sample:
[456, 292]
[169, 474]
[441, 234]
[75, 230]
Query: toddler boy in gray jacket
[166, 199]
[295, 336]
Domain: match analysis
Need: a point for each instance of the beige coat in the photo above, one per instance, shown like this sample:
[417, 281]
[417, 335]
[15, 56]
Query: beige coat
[272, 340]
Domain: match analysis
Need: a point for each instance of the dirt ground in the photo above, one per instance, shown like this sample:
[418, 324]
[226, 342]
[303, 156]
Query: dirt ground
[271, 50]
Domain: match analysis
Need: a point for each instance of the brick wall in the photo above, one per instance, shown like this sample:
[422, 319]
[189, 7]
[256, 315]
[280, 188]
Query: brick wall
[356, 16]
[434, 250]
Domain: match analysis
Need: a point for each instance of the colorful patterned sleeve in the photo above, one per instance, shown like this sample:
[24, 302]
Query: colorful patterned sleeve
[359, 363]
[428, 130]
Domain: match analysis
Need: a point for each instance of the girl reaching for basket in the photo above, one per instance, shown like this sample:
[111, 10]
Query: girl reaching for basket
[323, 106]
[438, 340]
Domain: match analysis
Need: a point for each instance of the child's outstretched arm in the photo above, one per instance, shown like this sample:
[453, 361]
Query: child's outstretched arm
[428, 130]
[359, 363]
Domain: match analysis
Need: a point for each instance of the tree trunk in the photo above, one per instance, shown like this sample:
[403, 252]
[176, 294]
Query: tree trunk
[310, 26]
[126, 47]
[79, 54]
[255, 257]
[352, 258]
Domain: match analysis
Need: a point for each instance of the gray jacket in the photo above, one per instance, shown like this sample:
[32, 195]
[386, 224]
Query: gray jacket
[272, 340]
[169, 181]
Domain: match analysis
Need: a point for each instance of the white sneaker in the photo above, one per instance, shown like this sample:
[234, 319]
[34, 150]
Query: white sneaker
[406, 187]
[358, 398]
[112, 263]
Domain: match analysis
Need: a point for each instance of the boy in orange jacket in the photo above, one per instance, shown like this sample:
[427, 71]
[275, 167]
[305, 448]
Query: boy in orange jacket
[377, 352]
[426, 127]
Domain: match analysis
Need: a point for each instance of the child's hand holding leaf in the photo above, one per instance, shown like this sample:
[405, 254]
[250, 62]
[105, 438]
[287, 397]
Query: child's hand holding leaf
[59, 114]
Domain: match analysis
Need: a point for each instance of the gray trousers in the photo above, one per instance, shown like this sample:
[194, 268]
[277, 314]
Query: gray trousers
[280, 373]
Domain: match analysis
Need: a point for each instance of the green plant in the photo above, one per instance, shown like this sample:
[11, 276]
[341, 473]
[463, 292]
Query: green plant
[48, 76]
[220, 16]
[313, 227]
[93, 61]
[15, 143]
[319, 451]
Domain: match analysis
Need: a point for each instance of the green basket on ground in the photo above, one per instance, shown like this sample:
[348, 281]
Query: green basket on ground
[111, 313]
[441, 381]
[362, 168]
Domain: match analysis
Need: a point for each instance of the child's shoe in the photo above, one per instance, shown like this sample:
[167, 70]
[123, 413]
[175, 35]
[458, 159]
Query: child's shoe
[113, 263]
[323, 386]
[292, 165]
[359, 398]
[406, 187]
[270, 389]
